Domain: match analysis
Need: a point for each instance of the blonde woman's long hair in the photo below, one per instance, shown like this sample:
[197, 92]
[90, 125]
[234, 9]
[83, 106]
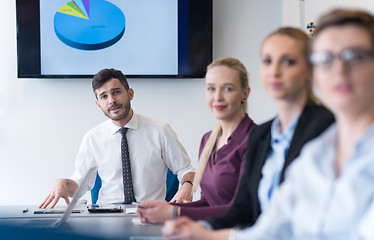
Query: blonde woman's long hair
[208, 148]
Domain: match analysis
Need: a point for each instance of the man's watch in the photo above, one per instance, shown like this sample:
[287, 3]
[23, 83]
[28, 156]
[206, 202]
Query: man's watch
[188, 182]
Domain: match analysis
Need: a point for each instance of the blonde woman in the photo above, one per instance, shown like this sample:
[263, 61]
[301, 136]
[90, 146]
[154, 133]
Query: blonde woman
[222, 151]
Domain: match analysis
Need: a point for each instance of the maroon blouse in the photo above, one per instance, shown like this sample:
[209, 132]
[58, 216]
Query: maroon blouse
[220, 181]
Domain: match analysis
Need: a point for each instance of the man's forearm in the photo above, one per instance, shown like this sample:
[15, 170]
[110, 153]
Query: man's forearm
[188, 177]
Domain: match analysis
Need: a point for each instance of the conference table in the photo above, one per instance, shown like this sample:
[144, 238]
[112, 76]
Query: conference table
[83, 225]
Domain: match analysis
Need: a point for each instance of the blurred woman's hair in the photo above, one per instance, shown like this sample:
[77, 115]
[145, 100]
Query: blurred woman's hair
[341, 17]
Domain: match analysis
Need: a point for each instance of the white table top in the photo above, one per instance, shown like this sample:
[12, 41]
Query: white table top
[98, 225]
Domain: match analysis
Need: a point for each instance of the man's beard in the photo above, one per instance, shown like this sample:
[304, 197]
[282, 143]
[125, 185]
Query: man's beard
[119, 117]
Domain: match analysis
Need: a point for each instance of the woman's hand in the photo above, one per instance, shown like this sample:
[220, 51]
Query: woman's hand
[152, 211]
[185, 228]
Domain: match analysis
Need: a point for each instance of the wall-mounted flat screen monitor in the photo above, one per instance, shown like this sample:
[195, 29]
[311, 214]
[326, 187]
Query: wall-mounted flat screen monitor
[142, 38]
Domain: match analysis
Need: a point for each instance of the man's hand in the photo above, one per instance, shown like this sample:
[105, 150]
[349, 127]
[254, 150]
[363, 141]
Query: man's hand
[152, 211]
[63, 188]
[184, 193]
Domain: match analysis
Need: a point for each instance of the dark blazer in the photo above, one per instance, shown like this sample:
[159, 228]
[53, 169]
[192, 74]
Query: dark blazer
[246, 208]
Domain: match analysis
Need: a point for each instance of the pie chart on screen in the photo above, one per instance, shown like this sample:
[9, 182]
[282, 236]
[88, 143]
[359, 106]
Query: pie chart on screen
[89, 24]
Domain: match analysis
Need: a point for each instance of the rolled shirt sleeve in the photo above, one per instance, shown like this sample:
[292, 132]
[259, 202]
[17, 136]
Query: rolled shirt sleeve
[174, 154]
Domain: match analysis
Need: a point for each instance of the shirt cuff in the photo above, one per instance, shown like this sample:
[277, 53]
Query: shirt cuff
[232, 234]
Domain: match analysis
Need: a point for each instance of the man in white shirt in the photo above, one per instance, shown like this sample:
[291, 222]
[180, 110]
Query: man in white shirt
[153, 148]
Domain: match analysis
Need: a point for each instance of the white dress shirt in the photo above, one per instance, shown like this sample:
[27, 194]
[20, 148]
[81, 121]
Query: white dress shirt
[153, 148]
[313, 203]
[366, 227]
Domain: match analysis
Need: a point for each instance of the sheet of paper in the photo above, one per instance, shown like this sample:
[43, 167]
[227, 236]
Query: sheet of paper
[130, 210]
[137, 221]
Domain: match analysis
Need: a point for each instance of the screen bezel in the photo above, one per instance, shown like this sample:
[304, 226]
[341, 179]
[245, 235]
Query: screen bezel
[194, 41]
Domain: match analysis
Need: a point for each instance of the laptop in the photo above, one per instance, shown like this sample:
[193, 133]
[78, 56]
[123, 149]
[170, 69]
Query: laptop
[57, 222]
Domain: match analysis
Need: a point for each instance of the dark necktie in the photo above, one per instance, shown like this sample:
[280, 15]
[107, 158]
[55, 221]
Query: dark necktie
[126, 167]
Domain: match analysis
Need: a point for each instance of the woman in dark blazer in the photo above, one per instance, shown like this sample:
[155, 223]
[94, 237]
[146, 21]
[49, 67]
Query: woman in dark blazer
[246, 208]
[286, 76]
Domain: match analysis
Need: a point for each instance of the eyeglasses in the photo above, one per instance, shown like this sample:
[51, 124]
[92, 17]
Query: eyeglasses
[352, 58]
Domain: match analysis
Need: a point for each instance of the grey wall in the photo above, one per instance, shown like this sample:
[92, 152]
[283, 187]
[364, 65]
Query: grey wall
[42, 121]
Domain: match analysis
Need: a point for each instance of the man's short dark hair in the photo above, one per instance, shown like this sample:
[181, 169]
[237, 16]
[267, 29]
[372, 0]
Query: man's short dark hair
[107, 74]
